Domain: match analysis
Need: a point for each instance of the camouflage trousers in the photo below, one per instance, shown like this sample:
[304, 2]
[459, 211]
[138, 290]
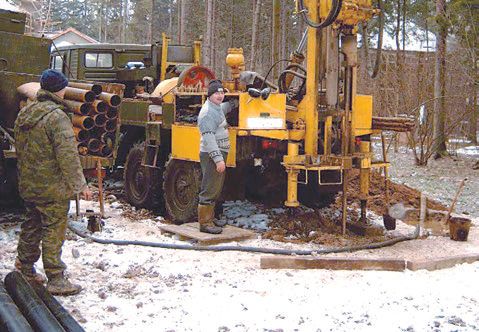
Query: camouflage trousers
[212, 181]
[45, 224]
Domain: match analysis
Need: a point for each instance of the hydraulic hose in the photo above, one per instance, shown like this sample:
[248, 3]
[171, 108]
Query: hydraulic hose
[332, 16]
[273, 251]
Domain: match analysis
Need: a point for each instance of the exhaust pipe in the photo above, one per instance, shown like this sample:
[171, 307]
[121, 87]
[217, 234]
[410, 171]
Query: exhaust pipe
[31, 306]
[11, 319]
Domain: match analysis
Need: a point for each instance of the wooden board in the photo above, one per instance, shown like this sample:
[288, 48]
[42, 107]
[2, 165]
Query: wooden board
[288, 262]
[191, 231]
[441, 263]
[295, 262]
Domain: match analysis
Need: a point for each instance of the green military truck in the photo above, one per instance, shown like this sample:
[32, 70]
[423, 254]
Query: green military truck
[140, 68]
[17, 67]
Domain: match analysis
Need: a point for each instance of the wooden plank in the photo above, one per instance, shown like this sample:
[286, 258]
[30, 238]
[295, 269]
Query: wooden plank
[329, 263]
[191, 231]
[441, 263]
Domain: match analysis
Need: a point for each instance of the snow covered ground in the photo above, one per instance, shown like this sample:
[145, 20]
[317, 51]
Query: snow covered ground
[148, 289]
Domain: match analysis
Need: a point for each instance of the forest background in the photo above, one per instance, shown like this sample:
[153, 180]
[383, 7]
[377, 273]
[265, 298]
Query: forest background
[417, 74]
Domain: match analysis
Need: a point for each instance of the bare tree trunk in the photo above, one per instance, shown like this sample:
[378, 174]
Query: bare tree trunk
[254, 32]
[170, 22]
[208, 41]
[124, 20]
[275, 48]
[284, 21]
[439, 136]
[100, 24]
[182, 21]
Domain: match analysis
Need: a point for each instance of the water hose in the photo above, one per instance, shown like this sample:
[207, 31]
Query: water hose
[273, 251]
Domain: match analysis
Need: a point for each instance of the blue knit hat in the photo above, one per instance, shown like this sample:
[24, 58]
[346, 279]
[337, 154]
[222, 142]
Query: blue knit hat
[52, 80]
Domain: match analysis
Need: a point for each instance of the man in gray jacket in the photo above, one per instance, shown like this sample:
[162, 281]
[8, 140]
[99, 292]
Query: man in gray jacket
[214, 148]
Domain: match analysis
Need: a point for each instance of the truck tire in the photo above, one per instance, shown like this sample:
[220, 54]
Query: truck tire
[181, 185]
[143, 185]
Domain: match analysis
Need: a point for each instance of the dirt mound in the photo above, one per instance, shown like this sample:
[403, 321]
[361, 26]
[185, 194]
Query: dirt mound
[324, 226]
[398, 193]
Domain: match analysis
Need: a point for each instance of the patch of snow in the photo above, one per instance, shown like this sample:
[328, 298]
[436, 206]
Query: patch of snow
[469, 150]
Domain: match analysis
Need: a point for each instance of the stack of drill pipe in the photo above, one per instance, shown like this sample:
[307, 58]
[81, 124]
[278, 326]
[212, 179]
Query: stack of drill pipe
[393, 124]
[30, 307]
[94, 118]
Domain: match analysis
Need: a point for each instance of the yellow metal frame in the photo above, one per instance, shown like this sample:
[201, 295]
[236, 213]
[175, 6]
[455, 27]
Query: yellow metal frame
[185, 141]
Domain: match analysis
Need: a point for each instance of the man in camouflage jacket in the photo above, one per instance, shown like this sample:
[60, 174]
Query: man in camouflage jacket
[50, 174]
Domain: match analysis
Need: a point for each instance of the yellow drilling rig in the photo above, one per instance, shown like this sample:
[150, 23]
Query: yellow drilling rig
[302, 136]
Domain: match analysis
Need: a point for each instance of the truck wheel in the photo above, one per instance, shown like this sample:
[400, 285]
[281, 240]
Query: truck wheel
[142, 184]
[181, 185]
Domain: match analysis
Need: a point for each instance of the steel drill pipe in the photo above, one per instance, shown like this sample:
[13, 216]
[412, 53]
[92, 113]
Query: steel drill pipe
[110, 98]
[112, 113]
[110, 126]
[62, 316]
[81, 135]
[105, 150]
[78, 107]
[100, 120]
[94, 145]
[108, 138]
[99, 107]
[82, 149]
[87, 96]
[30, 304]
[11, 319]
[83, 122]
[96, 88]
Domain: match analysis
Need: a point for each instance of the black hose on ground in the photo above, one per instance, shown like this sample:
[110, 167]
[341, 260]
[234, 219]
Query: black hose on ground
[31, 306]
[273, 251]
[11, 319]
[63, 317]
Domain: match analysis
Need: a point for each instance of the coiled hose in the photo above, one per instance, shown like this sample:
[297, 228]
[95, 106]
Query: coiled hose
[273, 251]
